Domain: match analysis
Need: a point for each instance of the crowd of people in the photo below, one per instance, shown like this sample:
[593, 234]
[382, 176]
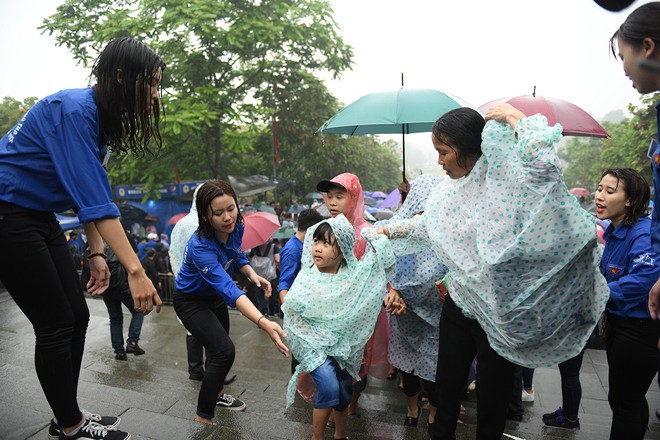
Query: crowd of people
[497, 262]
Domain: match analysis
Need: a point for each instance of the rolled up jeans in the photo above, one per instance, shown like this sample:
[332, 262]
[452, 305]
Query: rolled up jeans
[333, 386]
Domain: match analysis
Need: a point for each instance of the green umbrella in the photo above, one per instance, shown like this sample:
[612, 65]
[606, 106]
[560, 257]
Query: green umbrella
[404, 111]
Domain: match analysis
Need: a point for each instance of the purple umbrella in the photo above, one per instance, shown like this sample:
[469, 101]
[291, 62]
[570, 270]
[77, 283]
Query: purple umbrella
[393, 199]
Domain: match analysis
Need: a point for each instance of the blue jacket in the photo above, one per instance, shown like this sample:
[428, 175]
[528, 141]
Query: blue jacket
[209, 264]
[630, 266]
[290, 262]
[51, 160]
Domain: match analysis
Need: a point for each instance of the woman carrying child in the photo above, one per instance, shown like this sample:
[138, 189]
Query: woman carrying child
[330, 313]
[205, 286]
[630, 266]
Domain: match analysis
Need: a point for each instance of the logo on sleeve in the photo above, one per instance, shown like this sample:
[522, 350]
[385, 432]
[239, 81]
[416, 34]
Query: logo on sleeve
[644, 260]
[228, 264]
[205, 269]
[613, 270]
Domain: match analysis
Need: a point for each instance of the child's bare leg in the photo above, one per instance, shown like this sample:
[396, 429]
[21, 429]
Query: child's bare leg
[340, 422]
[320, 418]
[413, 408]
[432, 410]
[352, 407]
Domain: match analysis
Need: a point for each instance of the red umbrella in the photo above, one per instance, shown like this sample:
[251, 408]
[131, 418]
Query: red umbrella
[580, 192]
[574, 120]
[175, 218]
[259, 227]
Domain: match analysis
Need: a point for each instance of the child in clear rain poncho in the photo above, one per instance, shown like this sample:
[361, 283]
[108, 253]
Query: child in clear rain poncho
[330, 313]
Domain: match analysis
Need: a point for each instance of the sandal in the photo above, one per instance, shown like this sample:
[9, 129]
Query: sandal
[413, 421]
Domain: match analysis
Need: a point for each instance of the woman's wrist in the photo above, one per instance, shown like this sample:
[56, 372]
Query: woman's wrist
[259, 320]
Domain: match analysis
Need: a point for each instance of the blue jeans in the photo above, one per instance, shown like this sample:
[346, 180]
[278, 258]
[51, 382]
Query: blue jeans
[113, 301]
[333, 386]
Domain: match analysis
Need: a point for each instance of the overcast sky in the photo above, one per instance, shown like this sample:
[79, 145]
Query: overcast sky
[478, 50]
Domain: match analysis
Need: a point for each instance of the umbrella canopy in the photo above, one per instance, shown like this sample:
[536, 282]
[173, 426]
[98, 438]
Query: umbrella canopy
[580, 192]
[404, 110]
[296, 208]
[175, 218]
[131, 213]
[378, 195]
[263, 207]
[392, 199]
[283, 233]
[574, 120]
[314, 196]
[259, 228]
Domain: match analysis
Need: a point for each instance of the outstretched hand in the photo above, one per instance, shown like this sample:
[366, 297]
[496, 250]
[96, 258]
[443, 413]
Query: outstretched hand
[654, 300]
[99, 276]
[144, 293]
[263, 284]
[276, 335]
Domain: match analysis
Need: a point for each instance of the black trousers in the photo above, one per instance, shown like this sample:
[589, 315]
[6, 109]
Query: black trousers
[632, 357]
[412, 385]
[462, 338]
[37, 269]
[207, 319]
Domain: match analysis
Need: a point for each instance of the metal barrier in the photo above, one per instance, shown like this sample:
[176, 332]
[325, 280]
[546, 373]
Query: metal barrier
[167, 288]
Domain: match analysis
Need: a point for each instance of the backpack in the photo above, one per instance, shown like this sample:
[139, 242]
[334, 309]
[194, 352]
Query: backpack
[264, 265]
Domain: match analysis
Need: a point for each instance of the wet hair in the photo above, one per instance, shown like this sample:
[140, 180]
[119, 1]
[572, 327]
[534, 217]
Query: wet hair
[461, 129]
[640, 24]
[212, 189]
[308, 218]
[637, 192]
[324, 232]
[125, 130]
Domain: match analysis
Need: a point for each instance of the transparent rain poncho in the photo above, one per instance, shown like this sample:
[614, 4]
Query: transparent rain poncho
[413, 342]
[335, 314]
[522, 254]
[183, 230]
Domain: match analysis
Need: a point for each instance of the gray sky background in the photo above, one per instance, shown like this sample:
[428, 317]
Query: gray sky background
[478, 50]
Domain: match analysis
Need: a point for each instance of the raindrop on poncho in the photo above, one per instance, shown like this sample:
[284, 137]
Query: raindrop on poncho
[413, 342]
[335, 314]
[522, 254]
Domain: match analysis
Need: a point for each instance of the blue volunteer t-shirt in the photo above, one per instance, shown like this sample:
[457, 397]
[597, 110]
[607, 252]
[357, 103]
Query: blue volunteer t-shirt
[209, 264]
[51, 160]
[655, 167]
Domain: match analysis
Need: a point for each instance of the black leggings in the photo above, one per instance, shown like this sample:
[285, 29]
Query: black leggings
[412, 385]
[207, 319]
[37, 269]
[632, 358]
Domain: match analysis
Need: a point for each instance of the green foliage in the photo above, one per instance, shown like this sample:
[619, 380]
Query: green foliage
[225, 60]
[11, 110]
[586, 158]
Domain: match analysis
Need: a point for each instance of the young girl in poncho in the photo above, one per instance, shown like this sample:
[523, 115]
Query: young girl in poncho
[330, 313]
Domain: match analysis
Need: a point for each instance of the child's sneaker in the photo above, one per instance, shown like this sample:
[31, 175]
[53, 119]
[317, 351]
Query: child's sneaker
[93, 431]
[230, 402]
[108, 422]
[562, 422]
[527, 396]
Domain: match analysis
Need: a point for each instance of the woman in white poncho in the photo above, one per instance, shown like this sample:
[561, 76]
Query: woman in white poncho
[524, 284]
[330, 313]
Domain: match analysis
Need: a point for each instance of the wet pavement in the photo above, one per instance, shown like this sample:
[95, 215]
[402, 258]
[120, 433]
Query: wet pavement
[155, 399]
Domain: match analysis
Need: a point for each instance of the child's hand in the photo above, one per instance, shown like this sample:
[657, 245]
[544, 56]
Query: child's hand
[276, 335]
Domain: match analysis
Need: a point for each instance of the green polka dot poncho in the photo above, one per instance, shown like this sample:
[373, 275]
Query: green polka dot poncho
[522, 254]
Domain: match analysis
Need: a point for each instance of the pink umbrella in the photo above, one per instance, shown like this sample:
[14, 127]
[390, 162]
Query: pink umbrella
[259, 228]
[574, 120]
[175, 218]
[580, 192]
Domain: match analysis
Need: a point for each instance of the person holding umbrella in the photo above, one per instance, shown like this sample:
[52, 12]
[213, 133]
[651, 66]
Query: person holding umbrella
[523, 282]
[51, 161]
[204, 288]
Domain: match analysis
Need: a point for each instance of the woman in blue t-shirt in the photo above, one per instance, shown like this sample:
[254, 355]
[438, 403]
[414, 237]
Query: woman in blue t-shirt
[52, 161]
[630, 266]
[205, 286]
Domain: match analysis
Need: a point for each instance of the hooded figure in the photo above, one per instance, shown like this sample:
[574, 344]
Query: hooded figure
[183, 230]
[333, 315]
[413, 343]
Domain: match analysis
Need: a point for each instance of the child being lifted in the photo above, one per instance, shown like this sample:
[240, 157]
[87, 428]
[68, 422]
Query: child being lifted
[330, 313]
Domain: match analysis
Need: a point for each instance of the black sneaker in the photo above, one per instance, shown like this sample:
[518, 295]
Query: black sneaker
[562, 422]
[108, 422]
[133, 347]
[228, 401]
[94, 431]
[553, 415]
[120, 356]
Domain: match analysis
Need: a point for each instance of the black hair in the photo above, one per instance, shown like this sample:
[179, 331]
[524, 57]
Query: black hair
[308, 218]
[637, 192]
[461, 129]
[209, 191]
[124, 129]
[640, 24]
